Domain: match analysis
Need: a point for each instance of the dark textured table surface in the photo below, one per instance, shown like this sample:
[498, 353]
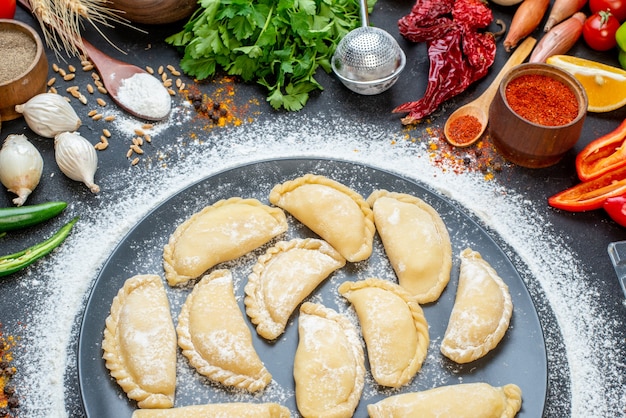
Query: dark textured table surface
[583, 237]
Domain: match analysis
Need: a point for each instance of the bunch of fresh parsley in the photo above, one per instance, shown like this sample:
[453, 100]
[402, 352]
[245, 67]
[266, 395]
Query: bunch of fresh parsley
[278, 43]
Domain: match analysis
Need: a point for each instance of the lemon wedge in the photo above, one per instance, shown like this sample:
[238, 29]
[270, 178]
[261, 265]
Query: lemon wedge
[605, 85]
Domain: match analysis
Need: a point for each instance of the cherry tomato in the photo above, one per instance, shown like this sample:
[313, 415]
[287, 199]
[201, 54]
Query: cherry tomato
[617, 7]
[599, 31]
[7, 9]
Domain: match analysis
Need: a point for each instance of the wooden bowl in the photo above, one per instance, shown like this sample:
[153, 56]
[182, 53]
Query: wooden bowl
[31, 82]
[155, 12]
[531, 144]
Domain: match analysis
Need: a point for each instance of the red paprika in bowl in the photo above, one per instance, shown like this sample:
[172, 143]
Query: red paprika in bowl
[518, 125]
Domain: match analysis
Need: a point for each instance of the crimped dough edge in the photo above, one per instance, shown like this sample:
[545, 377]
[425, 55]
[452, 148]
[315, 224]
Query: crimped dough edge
[256, 306]
[419, 320]
[444, 273]
[469, 354]
[365, 249]
[202, 365]
[172, 276]
[348, 406]
[111, 348]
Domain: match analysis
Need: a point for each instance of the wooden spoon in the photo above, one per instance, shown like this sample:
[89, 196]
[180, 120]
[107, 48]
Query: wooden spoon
[479, 108]
[113, 72]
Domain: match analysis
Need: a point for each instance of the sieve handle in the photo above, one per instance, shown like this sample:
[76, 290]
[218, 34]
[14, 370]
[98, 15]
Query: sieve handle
[365, 19]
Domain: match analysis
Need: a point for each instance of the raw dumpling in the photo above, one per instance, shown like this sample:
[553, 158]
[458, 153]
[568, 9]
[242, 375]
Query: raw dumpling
[469, 400]
[333, 211]
[219, 410]
[393, 326]
[218, 233]
[281, 279]
[140, 342]
[416, 242]
[214, 336]
[329, 365]
[481, 313]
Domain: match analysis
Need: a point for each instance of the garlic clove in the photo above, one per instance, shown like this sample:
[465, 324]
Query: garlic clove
[21, 165]
[49, 114]
[76, 158]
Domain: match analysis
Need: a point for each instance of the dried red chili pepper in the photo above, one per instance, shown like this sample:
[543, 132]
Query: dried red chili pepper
[459, 53]
[603, 154]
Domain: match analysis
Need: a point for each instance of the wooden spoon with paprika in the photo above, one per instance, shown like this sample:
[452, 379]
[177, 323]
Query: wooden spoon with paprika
[474, 116]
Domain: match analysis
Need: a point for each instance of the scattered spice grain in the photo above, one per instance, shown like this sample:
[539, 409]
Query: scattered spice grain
[8, 397]
[542, 99]
[18, 51]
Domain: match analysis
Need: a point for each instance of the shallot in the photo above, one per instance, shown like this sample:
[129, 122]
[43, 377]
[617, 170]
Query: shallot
[559, 39]
[49, 114]
[21, 165]
[76, 158]
[525, 20]
[561, 10]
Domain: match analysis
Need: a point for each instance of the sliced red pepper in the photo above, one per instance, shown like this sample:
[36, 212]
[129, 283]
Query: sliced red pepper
[590, 195]
[616, 208]
[603, 154]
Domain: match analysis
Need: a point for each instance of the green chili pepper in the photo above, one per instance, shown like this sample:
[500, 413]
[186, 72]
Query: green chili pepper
[20, 217]
[17, 261]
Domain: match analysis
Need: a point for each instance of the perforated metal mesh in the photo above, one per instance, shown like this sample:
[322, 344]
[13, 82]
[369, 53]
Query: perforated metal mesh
[366, 54]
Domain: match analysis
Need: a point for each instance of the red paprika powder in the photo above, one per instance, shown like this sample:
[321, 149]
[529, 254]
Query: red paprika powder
[464, 128]
[542, 99]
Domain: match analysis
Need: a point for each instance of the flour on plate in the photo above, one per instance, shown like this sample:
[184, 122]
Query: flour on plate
[549, 270]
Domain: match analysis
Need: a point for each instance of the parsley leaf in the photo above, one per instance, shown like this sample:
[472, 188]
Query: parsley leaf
[279, 44]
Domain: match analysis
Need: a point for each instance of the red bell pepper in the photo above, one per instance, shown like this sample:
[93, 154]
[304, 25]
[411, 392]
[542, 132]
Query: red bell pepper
[603, 154]
[616, 208]
[590, 195]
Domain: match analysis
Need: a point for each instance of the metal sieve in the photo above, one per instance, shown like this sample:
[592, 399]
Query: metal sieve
[367, 54]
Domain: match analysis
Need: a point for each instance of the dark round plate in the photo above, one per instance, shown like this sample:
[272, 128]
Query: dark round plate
[520, 357]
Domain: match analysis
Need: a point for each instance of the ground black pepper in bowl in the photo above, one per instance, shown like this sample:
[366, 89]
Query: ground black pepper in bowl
[18, 51]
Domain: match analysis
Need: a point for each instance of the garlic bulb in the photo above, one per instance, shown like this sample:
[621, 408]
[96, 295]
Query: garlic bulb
[76, 158]
[20, 167]
[49, 114]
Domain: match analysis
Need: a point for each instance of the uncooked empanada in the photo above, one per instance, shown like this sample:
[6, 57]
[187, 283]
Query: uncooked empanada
[214, 337]
[140, 342]
[221, 232]
[393, 326]
[481, 313]
[218, 410]
[469, 400]
[332, 210]
[281, 279]
[416, 242]
[329, 365]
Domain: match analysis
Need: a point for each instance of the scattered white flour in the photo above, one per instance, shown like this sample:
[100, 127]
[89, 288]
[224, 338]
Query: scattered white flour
[145, 95]
[62, 283]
